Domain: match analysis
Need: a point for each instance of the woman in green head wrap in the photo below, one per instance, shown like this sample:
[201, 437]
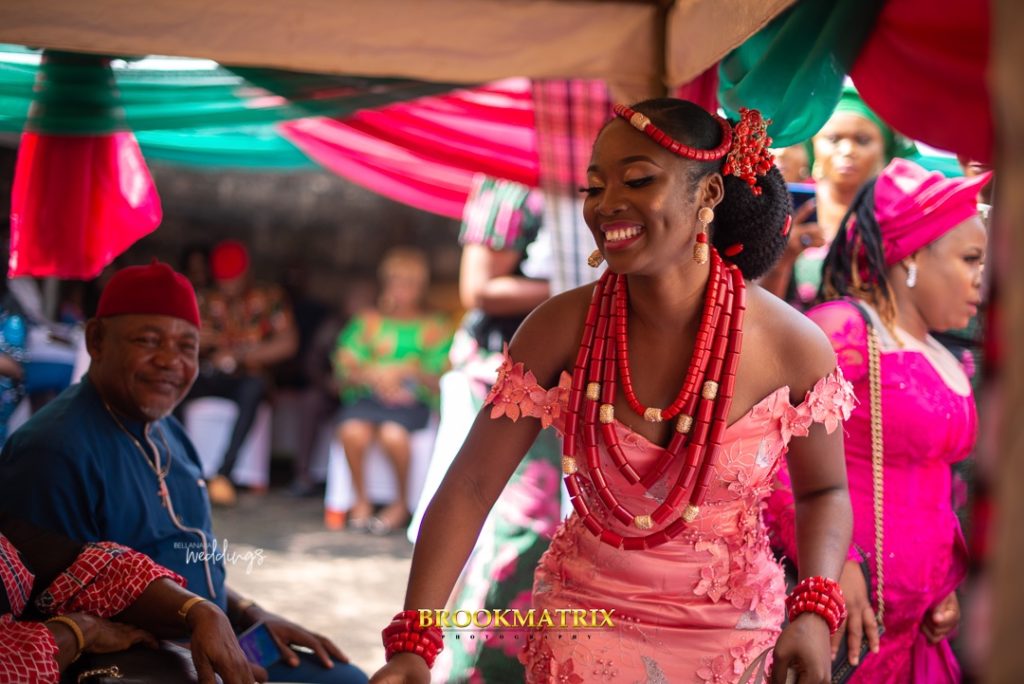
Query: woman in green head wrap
[849, 150]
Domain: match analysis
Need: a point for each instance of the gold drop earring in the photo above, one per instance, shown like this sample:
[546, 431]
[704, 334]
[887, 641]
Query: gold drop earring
[595, 259]
[701, 250]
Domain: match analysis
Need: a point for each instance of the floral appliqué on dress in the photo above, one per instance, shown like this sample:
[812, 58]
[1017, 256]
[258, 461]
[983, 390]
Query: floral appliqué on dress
[829, 402]
[516, 393]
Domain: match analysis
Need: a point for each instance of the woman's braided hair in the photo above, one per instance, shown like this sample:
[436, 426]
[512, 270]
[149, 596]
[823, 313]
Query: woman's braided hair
[855, 265]
[754, 221]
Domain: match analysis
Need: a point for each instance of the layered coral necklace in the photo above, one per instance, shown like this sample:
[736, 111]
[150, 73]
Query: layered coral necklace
[700, 409]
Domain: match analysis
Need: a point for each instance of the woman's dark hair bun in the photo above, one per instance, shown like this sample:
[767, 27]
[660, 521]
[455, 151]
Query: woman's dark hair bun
[754, 221]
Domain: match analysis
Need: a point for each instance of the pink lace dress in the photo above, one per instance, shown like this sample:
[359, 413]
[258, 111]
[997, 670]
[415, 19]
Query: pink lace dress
[927, 426]
[698, 608]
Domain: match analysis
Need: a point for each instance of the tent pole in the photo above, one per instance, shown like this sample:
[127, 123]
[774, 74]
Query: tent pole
[1006, 657]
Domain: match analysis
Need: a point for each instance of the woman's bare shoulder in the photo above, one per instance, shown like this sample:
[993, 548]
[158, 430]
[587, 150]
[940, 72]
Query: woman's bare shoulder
[549, 338]
[801, 351]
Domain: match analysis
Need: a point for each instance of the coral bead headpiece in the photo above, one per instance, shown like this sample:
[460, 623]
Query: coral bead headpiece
[744, 146]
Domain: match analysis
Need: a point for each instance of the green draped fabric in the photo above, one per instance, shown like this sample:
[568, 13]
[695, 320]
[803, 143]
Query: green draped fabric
[793, 69]
[190, 112]
[948, 166]
[247, 147]
[168, 99]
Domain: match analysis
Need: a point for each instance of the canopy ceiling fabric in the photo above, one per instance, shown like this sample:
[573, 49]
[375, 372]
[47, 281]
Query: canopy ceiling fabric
[638, 46]
[248, 148]
[187, 111]
[194, 96]
[700, 33]
[77, 203]
[793, 69]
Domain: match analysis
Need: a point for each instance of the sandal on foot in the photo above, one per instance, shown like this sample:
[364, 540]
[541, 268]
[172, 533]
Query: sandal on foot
[359, 523]
[380, 527]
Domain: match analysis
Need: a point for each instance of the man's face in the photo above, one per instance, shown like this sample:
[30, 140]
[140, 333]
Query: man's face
[143, 364]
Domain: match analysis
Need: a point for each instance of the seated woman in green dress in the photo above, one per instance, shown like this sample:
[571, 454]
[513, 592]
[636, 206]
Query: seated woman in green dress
[389, 360]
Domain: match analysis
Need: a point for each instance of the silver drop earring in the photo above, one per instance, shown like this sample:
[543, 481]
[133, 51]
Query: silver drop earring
[912, 275]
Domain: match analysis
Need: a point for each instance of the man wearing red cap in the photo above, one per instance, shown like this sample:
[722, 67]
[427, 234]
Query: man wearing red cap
[246, 329]
[106, 460]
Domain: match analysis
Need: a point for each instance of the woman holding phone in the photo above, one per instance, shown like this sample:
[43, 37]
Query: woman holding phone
[848, 151]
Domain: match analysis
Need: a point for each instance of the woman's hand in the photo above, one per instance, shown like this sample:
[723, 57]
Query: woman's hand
[802, 234]
[404, 668]
[215, 648]
[104, 636]
[941, 619]
[803, 648]
[861, 622]
[391, 384]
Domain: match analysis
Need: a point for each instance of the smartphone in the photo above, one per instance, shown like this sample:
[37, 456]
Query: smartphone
[801, 193]
[841, 668]
[258, 646]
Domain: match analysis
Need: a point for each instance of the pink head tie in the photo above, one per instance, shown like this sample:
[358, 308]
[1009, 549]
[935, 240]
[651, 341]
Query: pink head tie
[915, 207]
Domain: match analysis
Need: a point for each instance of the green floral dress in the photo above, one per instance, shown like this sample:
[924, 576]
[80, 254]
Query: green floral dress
[499, 573]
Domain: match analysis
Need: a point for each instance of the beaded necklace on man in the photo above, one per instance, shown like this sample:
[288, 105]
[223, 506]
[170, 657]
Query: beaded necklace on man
[162, 491]
[154, 461]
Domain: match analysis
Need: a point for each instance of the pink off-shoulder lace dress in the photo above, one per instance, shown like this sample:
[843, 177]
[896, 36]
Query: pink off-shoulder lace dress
[698, 608]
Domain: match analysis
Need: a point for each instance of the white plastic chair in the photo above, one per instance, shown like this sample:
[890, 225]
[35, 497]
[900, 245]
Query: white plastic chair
[209, 420]
[381, 481]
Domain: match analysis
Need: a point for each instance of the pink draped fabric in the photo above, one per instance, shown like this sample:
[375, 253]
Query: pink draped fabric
[426, 152]
[923, 70]
[703, 90]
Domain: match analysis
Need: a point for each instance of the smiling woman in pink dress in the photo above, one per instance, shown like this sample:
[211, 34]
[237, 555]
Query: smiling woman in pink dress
[911, 254]
[666, 531]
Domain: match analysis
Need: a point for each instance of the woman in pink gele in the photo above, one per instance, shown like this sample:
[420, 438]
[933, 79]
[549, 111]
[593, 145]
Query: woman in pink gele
[910, 253]
[678, 386]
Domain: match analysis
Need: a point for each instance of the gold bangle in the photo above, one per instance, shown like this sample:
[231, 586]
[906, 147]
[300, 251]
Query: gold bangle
[188, 605]
[73, 626]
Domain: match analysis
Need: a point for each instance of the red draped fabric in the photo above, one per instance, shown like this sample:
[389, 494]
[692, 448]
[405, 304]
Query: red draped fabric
[923, 69]
[425, 152]
[77, 203]
[82, 192]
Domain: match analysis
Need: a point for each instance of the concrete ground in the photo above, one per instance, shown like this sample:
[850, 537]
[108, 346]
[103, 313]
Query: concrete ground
[344, 585]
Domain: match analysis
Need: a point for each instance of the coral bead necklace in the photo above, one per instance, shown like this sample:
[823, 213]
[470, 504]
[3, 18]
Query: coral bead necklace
[700, 409]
